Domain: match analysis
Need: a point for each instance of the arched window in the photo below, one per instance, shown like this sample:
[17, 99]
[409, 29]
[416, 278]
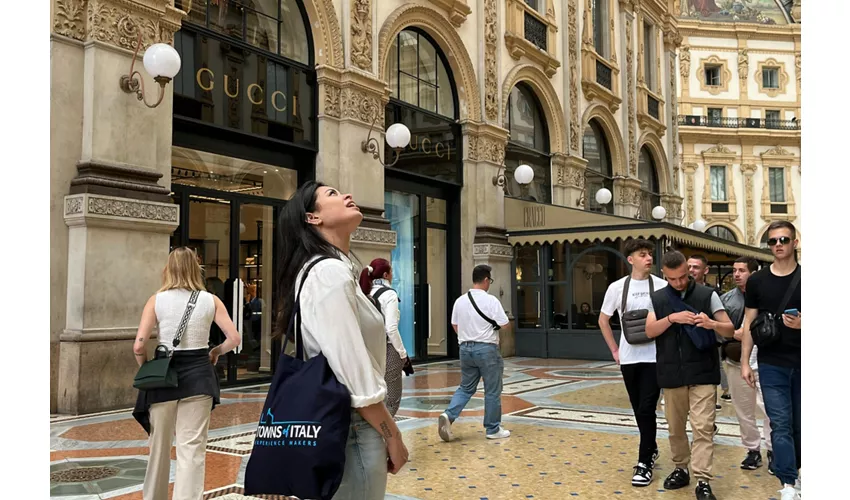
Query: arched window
[418, 74]
[650, 196]
[528, 144]
[600, 172]
[725, 233]
[763, 242]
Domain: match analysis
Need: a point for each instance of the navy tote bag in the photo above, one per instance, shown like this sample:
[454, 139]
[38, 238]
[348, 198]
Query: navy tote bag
[299, 448]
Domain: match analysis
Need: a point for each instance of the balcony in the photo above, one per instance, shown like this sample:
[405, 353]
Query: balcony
[603, 74]
[652, 107]
[535, 31]
[531, 34]
[737, 123]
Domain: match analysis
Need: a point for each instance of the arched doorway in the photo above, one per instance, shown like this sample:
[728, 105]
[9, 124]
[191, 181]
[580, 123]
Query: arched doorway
[528, 144]
[650, 195]
[725, 233]
[600, 171]
[245, 134]
[422, 192]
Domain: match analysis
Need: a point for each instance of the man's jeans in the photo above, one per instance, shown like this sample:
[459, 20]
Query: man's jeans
[480, 359]
[780, 388]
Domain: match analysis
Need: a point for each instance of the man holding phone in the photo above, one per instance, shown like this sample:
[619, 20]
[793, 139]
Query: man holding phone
[776, 289]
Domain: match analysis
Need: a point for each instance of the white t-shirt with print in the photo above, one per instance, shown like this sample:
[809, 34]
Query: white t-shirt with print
[638, 299]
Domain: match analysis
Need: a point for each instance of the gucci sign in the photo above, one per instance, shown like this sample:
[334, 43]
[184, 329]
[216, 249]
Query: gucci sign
[535, 217]
[427, 146]
[205, 79]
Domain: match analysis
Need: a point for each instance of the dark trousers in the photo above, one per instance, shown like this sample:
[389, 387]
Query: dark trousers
[781, 389]
[642, 385]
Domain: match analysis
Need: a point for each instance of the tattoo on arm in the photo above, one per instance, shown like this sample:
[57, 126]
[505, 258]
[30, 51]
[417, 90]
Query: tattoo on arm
[385, 429]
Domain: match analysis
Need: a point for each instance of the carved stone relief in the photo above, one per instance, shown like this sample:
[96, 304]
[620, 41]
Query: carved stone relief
[491, 88]
[332, 101]
[117, 23]
[575, 124]
[749, 202]
[486, 149]
[69, 18]
[632, 109]
[361, 34]
[356, 104]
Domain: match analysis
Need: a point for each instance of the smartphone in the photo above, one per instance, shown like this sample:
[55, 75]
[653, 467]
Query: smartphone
[792, 312]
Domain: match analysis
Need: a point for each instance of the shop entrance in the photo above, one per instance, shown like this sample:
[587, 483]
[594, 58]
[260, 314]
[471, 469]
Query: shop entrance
[234, 236]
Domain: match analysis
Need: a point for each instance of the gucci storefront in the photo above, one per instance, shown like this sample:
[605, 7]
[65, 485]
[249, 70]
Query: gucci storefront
[245, 135]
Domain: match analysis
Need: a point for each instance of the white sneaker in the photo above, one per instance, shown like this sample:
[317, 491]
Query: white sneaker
[789, 493]
[797, 486]
[503, 433]
[444, 428]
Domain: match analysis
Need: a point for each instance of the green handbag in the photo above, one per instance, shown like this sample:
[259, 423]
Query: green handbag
[157, 373]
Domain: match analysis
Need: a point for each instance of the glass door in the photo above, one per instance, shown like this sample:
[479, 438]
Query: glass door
[402, 210]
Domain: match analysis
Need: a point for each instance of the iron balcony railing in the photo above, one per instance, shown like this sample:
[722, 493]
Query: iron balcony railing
[535, 31]
[603, 75]
[726, 122]
[652, 106]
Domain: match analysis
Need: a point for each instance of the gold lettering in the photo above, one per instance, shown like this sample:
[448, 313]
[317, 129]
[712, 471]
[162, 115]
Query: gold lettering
[250, 95]
[227, 88]
[200, 83]
[274, 101]
[423, 145]
[413, 143]
[437, 149]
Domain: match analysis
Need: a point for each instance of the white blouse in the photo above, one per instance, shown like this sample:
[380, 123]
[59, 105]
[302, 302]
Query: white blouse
[392, 315]
[339, 321]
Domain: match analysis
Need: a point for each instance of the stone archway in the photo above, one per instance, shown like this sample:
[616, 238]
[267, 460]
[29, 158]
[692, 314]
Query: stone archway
[608, 124]
[447, 39]
[327, 35]
[545, 92]
[739, 236]
[656, 149]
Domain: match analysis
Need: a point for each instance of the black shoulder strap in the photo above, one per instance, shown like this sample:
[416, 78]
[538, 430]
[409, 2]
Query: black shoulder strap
[486, 318]
[184, 321]
[296, 311]
[625, 294]
[794, 282]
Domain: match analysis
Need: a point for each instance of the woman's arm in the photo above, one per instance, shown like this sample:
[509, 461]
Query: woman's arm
[392, 316]
[145, 329]
[233, 338]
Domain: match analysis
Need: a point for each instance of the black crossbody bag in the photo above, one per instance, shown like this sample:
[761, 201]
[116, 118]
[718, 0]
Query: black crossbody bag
[486, 318]
[765, 328]
[634, 322]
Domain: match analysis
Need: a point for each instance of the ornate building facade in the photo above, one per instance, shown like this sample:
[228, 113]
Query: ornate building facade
[272, 93]
[740, 117]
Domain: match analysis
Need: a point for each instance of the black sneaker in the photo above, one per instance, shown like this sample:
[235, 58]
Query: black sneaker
[716, 431]
[770, 463]
[703, 491]
[679, 478]
[753, 461]
[643, 475]
[726, 396]
[655, 455]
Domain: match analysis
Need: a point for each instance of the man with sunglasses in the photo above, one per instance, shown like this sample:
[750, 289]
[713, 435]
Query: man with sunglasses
[779, 362]
[477, 318]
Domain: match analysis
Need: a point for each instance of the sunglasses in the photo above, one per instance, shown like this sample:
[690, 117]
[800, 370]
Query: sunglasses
[784, 240]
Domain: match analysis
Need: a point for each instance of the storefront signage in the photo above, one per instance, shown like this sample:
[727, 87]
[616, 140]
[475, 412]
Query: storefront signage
[427, 146]
[205, 78]
[535, 217]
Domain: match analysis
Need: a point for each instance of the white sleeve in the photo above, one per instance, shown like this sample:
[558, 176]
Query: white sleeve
[499, 315]
[392, 315]
[454, 311]
[332, 316]
[613, 299]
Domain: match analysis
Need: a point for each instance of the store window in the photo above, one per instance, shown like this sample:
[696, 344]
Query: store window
[529, 296]
[722, 232]
[591, 275]
[528, 144]
[650, 196]
[600, 173]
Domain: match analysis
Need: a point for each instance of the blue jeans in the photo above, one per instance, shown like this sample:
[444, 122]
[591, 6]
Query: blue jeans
[780, 389]
[480, 359]
[365, 474]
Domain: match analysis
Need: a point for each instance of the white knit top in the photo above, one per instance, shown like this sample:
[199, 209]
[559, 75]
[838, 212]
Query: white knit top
[170, 306]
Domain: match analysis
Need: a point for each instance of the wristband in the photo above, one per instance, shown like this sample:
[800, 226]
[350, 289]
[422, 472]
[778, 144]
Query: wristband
[670, 320]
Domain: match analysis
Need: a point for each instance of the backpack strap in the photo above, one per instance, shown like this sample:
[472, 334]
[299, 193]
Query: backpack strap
[486, 318]
[625, 294]
[381, 291]
[296, 311]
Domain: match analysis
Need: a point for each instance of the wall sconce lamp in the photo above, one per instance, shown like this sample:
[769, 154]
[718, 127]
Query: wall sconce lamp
[523, 175]
[161, 61]
[658, 213]
[397, 137]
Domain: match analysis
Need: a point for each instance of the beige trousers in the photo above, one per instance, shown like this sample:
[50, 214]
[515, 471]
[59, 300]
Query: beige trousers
[745, 399]
[696, 401]
[190, 419]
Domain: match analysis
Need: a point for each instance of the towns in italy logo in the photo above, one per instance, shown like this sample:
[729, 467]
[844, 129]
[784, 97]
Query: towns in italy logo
[273, 433]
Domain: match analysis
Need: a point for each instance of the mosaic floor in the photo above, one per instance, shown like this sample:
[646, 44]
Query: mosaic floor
[573, 437]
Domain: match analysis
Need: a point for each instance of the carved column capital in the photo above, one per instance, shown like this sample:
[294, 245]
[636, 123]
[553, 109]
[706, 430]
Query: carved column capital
[117, 22]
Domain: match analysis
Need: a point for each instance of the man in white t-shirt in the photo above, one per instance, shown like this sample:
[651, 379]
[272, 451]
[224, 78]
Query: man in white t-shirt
[637, 362]
[477, 318]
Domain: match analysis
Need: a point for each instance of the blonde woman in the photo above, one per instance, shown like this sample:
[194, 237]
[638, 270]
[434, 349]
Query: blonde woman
[185, 409]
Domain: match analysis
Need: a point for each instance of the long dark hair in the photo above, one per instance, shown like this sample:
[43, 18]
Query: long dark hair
[299, 242]
[380, 267]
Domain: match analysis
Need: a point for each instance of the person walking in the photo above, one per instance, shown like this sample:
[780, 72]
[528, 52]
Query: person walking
[340, 322]
[183, 410]
[744, 397]
[477, 318]
[637, 362]
[375, 281]
[683, 321]
[774, 293]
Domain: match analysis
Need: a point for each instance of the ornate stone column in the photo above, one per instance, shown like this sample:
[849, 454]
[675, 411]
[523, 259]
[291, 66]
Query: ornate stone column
[109, 153]
[627, 192]
[749, 169]
[690, 170]
[569, 180]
